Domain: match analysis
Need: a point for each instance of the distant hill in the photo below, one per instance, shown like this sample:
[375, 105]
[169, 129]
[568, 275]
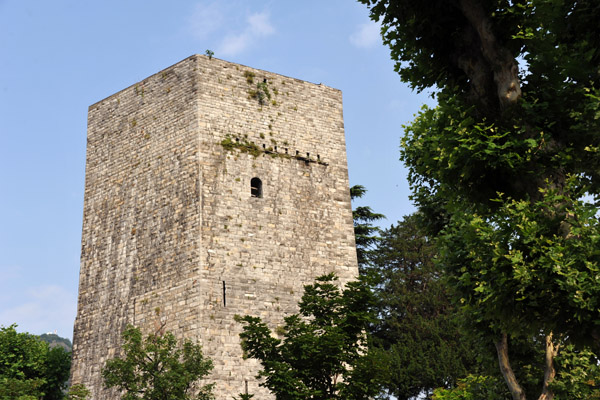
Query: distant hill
[54, 340]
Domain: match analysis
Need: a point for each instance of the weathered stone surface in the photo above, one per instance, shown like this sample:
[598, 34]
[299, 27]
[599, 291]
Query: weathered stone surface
[171, 233]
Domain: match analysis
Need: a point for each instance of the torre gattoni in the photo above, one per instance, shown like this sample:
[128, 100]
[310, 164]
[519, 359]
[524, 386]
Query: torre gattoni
[211, 190]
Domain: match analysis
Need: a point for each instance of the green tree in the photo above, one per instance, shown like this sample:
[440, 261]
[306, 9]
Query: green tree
[78, 392]
[57, 371]
[29, 369]
[322, 354]
[502, 164]
[577, 376]
[22, 364]
[474, 387]
[156, 368]
[365, 233]
[418, 333]
[244, 396]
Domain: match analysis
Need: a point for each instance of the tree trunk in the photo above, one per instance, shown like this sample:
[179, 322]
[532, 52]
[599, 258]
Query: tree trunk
[549, 372]
[509, 376]
[500, 61]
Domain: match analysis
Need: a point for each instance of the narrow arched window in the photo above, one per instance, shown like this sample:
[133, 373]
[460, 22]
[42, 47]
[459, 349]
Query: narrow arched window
[256, 187]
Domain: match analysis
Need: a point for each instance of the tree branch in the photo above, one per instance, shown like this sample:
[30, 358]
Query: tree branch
[549, 370]
[509, 376]
[502, 64]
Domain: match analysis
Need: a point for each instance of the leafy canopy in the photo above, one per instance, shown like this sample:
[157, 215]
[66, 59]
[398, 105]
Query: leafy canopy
[29, 369]
[505, 166]
[322, 352]
[417, 335]
[516, 131]
[157, 368]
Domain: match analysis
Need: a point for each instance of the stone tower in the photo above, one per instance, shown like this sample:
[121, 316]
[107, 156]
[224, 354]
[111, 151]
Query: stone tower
[211, 189]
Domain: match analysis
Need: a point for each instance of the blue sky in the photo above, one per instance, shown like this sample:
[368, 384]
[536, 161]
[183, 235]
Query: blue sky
[58, 57]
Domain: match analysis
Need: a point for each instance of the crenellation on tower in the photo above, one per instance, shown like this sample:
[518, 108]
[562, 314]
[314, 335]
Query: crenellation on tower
[173, 231]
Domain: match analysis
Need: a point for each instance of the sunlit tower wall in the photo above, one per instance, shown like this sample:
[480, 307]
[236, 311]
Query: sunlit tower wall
[211, 189]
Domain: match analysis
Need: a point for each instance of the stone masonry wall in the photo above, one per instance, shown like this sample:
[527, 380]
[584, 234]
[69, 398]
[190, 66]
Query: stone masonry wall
[171, 233]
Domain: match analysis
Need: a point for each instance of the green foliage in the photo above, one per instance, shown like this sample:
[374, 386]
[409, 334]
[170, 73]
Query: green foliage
[323, 353]
[474, 159]
[500, 167]
[243, 396]
[418, 334]
[78, 392]
[29, 369]
[155, 367]
[474, 387]
[261, 93]
[525, 273]
[244, 146]
[578, 376]
[58, 367]
[210, 54]
[365, 233]
[22, 368]
[249, 75]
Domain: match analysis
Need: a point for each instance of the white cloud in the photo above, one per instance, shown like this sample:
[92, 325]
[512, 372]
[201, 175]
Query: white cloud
[367, 35]
[234, 44]
[9, 272]
[41, 309]
[206, 18]
[229, 24]
[258, 26]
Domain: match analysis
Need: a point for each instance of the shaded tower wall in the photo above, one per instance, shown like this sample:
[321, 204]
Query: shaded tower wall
[173, 234]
